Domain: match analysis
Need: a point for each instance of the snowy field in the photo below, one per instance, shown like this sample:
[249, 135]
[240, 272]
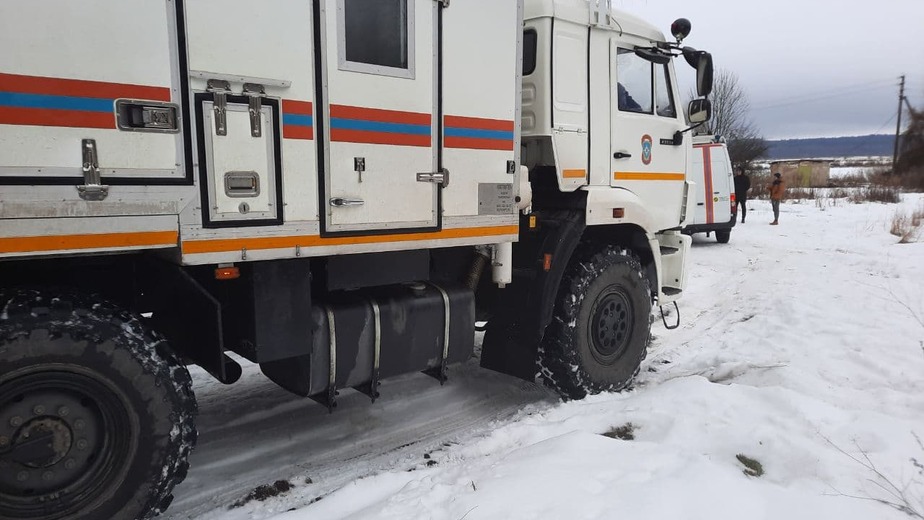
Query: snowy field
[801, 348]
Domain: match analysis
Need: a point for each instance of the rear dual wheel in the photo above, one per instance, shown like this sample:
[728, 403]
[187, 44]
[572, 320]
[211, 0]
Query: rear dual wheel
[96, 414]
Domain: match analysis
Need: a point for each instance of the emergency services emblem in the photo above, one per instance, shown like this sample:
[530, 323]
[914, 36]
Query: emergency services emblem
[646, 149]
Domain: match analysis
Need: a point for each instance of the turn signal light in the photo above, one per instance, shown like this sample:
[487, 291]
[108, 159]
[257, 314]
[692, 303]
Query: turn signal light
[619, 212]
[547, 262]
[227, 273]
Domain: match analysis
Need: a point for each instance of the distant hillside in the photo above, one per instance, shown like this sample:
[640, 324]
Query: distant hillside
[864, 145]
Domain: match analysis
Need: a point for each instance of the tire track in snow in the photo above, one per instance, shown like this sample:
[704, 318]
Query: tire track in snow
[254, 433]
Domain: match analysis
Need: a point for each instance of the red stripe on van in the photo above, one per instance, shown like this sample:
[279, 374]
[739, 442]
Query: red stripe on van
[474, 143]
[379, 115]
[52, 117]
[80, 88]
[707, 183]
[363, 136]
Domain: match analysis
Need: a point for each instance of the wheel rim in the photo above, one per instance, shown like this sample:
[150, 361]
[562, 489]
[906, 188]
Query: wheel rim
[611, 326]
[65, 438]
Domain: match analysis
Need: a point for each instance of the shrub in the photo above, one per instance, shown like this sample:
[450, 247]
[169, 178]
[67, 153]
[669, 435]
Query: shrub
[907, 227]
[877, 193]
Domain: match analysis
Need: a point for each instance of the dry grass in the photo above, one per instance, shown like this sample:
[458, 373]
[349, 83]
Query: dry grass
[907, 227]
[877, 193]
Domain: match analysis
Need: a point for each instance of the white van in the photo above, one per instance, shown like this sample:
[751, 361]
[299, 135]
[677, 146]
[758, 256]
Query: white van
[714, 189]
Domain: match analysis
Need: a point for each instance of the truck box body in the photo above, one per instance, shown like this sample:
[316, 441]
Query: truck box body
[226, 131]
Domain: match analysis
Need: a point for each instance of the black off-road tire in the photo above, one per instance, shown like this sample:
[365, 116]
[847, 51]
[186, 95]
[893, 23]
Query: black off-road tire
[109, 393]
[601, 324]
[722, 236]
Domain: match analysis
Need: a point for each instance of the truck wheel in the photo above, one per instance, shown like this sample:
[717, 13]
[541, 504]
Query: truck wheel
[722, 236]
[96, 413]
[600, 328]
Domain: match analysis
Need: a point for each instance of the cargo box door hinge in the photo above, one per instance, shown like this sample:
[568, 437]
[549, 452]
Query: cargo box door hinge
[220, 90]
[92, 188]
[255, 92]
[443, 3]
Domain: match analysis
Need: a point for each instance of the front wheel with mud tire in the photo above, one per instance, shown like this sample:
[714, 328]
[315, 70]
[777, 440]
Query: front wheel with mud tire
[96, 413]
[600, 328]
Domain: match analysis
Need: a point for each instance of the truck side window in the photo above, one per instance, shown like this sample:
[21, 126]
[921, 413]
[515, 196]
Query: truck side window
[377, 36]
[530, 45]
[634, 88]
[665, 98]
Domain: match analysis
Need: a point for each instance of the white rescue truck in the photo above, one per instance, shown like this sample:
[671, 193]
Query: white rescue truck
[333, 189]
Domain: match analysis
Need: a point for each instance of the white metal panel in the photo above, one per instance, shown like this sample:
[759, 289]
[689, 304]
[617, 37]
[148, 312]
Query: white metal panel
[238, 151]
[481, 88]
[56, 151]
[383, 120]
[570, 105]
[97, 40]
[64, 66]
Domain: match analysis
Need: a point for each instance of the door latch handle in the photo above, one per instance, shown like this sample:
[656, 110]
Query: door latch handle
[621, 155]
[339, 202]
[440, 177]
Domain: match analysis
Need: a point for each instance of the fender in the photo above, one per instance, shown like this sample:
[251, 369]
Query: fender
[525, 307]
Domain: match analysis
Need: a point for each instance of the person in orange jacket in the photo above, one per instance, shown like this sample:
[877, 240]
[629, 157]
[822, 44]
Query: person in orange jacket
[777, 188]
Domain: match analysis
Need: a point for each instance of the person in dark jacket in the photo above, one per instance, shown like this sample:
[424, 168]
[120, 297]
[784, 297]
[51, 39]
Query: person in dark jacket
[742, 185]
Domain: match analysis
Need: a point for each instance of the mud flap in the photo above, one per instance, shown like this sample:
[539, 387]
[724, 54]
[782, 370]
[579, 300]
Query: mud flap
[525, 307]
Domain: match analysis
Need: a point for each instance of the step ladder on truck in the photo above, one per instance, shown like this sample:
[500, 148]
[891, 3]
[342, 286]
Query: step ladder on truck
[335, 190]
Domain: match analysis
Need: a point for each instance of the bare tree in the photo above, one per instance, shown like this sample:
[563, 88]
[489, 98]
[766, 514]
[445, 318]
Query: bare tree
[731, 119]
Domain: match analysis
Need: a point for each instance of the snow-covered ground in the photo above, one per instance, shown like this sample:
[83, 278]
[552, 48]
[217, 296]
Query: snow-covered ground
[801, 347]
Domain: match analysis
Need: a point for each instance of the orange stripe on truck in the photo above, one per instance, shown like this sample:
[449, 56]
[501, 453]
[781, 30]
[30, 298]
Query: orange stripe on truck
[574, 174]
[648, 176]
[194, 247]
[93, 241]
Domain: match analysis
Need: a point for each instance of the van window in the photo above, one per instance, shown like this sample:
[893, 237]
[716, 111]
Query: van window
[634, 88]
[665, 98]
[530, 46]
[376, 36]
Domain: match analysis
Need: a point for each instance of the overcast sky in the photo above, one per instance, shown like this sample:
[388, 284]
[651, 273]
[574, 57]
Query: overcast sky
[811, 68]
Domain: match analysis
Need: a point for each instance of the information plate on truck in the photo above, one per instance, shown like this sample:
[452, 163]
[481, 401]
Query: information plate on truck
[496, 199]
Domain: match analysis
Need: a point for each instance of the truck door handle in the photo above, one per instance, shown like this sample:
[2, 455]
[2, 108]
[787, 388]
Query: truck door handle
[621, 155]
[340, 202]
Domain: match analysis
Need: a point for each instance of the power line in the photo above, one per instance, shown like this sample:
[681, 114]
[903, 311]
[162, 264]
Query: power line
[823, 95]
[881, 128]
[798, 97]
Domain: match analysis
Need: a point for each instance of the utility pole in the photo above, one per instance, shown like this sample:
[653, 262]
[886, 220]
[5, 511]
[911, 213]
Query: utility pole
[898, 126]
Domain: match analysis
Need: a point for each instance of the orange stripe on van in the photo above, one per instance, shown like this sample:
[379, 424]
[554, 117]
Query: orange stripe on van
[194, 247]
[646, 176]
[93, 241]
[574, 174]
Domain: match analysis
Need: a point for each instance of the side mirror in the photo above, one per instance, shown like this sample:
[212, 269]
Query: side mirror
[704, 73]
[702, 62]
[700, 111]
